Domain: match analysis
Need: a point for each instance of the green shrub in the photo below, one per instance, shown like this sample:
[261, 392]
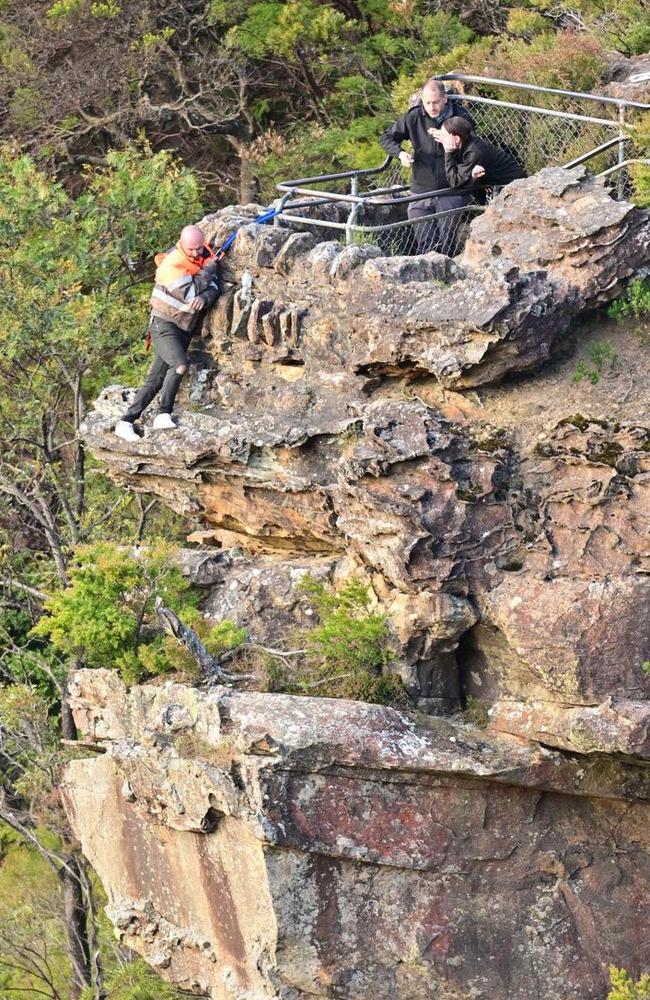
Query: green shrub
[635, 301]
[527, 23]
[106, 616]
[624, 987]
[599, 354]
[346, 653]
[350, 636]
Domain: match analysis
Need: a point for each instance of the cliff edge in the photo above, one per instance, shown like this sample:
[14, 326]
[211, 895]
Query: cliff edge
[267, 846]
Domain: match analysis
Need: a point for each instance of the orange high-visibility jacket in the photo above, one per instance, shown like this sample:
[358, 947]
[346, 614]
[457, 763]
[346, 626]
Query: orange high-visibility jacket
[180, 279]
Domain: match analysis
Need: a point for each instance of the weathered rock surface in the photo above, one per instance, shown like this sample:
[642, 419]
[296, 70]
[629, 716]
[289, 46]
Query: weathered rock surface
[265, 846]
[628, 79]
[306, 440]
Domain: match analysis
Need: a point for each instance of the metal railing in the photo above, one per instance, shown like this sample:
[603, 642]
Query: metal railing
[369, 205]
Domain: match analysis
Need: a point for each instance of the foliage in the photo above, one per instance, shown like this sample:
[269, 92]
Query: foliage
[564, 60]
[350, 636]
[135, 981]
[599, 354]
[527, 23]
[477, 712]
[33, 952]
[27, 660]
[635, 301]
[222, 637]
[347, 653]
[30, 751]
[106, 615]
[624, 987]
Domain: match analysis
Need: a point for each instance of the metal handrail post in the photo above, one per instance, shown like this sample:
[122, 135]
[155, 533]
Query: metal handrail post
[620, 187]
[349, 225]
[283, 200]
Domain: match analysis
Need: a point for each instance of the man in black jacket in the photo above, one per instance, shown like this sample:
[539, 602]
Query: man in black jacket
[469, 158]
[422, 124]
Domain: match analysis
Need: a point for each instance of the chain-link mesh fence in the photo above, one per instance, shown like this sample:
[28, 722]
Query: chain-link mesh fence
[539, 128]
[444, 231]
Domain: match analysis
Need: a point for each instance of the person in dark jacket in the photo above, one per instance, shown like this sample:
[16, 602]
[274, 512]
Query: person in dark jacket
[421, 125]
[468, 158]
[185, 286]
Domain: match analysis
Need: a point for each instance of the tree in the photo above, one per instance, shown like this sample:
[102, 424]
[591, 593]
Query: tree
[74, 280]
[30, 759]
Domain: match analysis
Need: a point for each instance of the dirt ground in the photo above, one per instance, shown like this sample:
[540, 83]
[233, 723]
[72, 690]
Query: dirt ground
[619, 354]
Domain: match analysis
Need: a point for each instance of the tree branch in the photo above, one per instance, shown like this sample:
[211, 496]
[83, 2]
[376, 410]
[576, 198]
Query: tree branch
[209, 665]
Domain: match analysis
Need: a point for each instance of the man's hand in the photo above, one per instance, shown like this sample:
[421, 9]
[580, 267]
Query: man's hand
[405, 159]
[196, 304]
[436, 134]
[478, 171]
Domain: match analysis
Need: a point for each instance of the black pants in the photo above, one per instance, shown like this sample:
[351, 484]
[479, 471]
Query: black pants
[171, 345]
[438, 234]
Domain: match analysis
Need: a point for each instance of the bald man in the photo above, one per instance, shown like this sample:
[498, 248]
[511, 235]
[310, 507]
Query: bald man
[186, 285]
[421, 125]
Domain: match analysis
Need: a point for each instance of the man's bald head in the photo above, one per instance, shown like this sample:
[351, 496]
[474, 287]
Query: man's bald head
[434, 97]
[191, 241]
[435, 86]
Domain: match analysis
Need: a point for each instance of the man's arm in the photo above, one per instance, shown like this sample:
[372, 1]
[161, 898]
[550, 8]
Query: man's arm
[207, 287]
[393, 136]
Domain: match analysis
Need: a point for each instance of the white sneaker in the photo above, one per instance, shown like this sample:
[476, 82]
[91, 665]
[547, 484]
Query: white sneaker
[163, 422]
[125, 430]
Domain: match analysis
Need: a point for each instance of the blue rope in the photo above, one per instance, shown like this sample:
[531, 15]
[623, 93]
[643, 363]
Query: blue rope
[269, 214]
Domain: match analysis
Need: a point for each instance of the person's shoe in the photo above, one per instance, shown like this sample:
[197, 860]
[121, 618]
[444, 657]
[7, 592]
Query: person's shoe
[125, 430]
[163, 422]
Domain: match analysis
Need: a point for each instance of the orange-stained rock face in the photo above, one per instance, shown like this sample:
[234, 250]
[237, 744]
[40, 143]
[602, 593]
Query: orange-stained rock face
[312, 848]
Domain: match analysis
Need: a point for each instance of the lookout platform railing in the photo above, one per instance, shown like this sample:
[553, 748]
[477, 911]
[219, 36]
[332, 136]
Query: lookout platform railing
[540, 126]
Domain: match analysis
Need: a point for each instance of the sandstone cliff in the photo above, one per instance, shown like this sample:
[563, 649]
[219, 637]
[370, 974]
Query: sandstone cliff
[266, 846]
[356, 414]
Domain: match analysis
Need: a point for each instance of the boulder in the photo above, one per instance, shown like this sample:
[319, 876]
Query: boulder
[265, 846]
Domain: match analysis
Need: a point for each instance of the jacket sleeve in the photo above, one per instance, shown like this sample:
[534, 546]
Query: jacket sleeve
[395, 134]
[206, 284]
[459, 166]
